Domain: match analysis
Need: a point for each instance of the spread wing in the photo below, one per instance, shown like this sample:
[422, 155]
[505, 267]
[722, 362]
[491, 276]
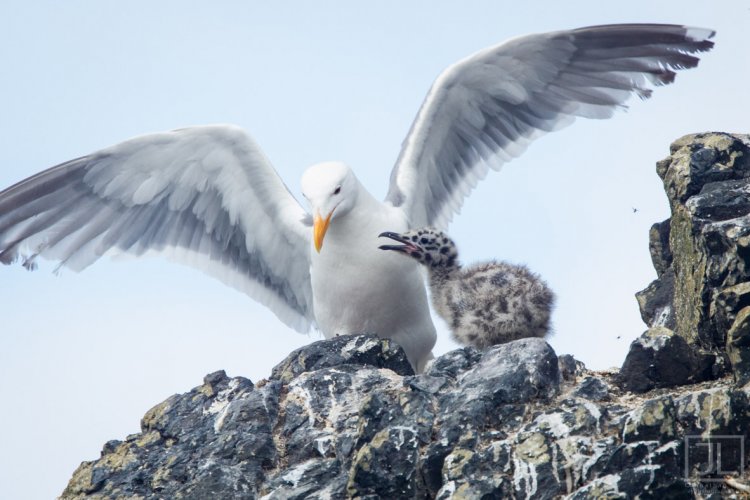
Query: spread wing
[205, 196]
[485, 110]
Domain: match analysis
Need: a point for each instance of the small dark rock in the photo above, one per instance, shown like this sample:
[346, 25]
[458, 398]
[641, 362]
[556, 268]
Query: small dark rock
[110, 446]
[452, 363]
[431, 465]
[427, 383]
[514, 372]
[658, 245]
[386, 466]
[738, 346]
[721, 201]
[570, 368]
[216, 378]
[660, 358]
[485, 472]
[656, 301]
[312, 479]
[627, 456]
[653, 421]
[369, 350]
[593, 389]
[727, 304]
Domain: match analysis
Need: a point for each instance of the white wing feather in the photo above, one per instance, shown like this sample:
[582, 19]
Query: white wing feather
[485, 110]
[205, 196]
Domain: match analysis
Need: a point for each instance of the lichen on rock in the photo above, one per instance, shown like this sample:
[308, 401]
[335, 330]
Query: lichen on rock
[702, 258]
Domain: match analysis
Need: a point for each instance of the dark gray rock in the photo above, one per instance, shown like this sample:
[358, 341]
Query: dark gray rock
[644, 481]
[395, 450]
[593, 389]
[455, 362]
[661, 358]
[480, 472]
[658, 246]
[570, 368]
[738, 346]
[515, 372]
[307, 480]
[654, 420]
[368, 350]
[656, 301]
[626, 456]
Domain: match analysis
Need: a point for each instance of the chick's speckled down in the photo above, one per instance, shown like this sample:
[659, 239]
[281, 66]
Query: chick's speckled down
[484, 304]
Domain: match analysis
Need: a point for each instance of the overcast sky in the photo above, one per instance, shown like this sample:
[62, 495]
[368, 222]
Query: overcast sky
[84, 356]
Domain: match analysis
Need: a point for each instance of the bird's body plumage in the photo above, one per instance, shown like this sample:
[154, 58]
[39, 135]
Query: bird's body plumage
[344, 306]
[492, 303]
[483, 304]
[209, 197]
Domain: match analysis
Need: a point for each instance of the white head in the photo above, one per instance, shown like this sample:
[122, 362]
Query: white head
[332, 190]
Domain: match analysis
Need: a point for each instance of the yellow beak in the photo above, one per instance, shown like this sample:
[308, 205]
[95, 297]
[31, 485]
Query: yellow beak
[320, 227]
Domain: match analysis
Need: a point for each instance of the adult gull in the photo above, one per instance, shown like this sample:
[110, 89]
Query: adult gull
[208, 196]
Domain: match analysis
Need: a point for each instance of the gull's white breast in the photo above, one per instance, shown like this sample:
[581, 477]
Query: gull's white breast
[358, 288]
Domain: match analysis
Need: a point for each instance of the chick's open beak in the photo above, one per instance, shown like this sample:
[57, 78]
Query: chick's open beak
[407, 247]
[320, 226]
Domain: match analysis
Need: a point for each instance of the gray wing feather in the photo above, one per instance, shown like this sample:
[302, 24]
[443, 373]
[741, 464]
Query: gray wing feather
[205, 196]
[486, 109]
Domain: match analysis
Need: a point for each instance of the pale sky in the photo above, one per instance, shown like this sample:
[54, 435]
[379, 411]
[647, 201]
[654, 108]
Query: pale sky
[84, 356]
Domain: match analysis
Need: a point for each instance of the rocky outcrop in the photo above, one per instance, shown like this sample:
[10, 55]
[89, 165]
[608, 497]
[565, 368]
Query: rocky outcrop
[699, 306]
[502, 423]
[348, 418]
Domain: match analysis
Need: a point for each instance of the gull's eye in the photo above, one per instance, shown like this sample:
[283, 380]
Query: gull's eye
[337, 190]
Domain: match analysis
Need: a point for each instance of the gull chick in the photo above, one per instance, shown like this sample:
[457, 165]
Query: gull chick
[484, 304]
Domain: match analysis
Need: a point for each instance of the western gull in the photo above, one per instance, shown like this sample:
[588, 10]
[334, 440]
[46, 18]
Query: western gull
[209, 197]
[484, 304]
